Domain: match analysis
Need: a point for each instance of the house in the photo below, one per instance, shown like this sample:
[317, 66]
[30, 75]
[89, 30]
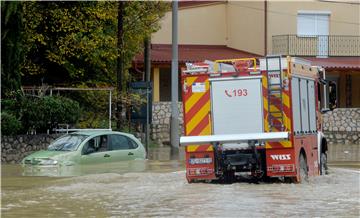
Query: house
[326, 32]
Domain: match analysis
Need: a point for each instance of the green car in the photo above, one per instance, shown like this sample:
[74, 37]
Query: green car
[87, 147]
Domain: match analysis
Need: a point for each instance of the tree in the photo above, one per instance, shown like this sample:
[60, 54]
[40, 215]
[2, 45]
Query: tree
[136, 21]
[83, 43]
[77, 41]
[70, 42]
[11, 51]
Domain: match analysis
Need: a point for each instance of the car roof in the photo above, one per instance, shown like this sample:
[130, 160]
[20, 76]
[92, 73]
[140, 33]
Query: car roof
[100, 132]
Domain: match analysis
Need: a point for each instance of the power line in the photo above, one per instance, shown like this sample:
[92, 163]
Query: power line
[294, 15]
[354, 2]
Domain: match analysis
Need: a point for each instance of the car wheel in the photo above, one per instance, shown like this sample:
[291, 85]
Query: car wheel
[303, 168]
[323, 164]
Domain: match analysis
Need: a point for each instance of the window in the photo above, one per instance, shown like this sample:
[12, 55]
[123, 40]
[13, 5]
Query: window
[133, 144]
[67, 143]
[310, 23]
[119, 142]
[103, 145]
[96, 144]
[314, 24]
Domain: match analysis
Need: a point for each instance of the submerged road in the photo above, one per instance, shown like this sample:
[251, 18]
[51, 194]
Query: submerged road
[160, 189]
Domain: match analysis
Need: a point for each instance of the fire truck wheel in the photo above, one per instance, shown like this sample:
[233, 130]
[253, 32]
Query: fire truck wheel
[303, 168]
[323, 164]
[190, 180]
[290, 179]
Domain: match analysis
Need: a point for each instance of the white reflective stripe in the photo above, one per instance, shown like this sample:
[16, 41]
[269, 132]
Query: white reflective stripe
[263, 137]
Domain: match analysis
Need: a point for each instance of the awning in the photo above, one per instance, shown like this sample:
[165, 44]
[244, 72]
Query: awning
[162, 54]
[336, 63]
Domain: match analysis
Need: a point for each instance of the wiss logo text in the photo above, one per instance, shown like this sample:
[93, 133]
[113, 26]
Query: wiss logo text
[280, 156]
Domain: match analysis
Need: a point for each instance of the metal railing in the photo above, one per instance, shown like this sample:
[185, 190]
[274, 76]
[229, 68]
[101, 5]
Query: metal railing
[316, 45]
[40, 91]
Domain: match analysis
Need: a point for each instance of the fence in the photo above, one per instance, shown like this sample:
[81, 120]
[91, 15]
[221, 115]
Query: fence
[101, 99]
[316, 45]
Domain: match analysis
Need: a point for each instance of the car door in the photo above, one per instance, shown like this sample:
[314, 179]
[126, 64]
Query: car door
[123, 148]
[96, 150]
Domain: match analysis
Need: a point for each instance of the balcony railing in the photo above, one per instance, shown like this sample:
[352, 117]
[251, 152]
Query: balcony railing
[316, 45]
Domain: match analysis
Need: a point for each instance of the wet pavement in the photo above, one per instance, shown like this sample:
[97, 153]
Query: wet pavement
[159, 188]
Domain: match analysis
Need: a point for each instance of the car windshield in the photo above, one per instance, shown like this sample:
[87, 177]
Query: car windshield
[67, 143]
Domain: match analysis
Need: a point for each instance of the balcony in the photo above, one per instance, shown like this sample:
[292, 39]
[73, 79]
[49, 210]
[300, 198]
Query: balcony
[316, 45]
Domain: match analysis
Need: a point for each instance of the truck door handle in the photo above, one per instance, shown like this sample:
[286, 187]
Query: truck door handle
[106, 155]
[130, 153]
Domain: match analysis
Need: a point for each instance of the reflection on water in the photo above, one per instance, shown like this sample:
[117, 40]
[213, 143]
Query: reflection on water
[79, 170]
[167, 153]
[159, 188]
[160, 159]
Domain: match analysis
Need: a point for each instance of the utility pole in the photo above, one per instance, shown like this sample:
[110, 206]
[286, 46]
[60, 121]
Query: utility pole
[120, 62]
[174, 125]
[147, 62]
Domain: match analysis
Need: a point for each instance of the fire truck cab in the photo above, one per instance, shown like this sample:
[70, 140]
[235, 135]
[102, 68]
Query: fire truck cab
[255, 118]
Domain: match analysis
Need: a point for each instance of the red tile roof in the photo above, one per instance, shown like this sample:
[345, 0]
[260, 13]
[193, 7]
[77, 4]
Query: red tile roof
[162, 53]
[336, 63]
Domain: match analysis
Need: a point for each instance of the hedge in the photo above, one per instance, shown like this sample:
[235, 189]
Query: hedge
[41, 114]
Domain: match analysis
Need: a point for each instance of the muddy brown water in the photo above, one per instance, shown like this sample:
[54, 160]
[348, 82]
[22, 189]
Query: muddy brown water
[159, 188]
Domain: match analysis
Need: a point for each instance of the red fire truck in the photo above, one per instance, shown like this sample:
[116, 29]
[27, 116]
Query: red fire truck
[250, 117]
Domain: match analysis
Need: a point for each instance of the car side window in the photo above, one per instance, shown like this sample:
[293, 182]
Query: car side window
[96, 144]
[120, 142]
[103, 145]
[133, 144]
[89, 147]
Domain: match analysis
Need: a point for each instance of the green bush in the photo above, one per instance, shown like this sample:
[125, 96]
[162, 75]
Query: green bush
[11, 106]
[45, 113]
[10, 125]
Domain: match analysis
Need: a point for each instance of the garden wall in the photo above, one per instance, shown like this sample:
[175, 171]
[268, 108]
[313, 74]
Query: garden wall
[342, 126]
[160, 128]
[15, 148]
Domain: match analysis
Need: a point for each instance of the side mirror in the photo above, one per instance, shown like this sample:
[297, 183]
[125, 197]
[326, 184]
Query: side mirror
[323, 91]
[324, 110]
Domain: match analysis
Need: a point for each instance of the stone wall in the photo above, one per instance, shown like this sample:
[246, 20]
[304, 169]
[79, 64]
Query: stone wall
[15, 148]
[342, 126]
[160, 128]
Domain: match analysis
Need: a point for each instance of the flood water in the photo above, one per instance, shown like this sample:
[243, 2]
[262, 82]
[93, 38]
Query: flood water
[159, 188]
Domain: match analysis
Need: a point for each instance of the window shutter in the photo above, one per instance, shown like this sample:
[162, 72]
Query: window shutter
[322, 24]
[306, 24]
[312, 24]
